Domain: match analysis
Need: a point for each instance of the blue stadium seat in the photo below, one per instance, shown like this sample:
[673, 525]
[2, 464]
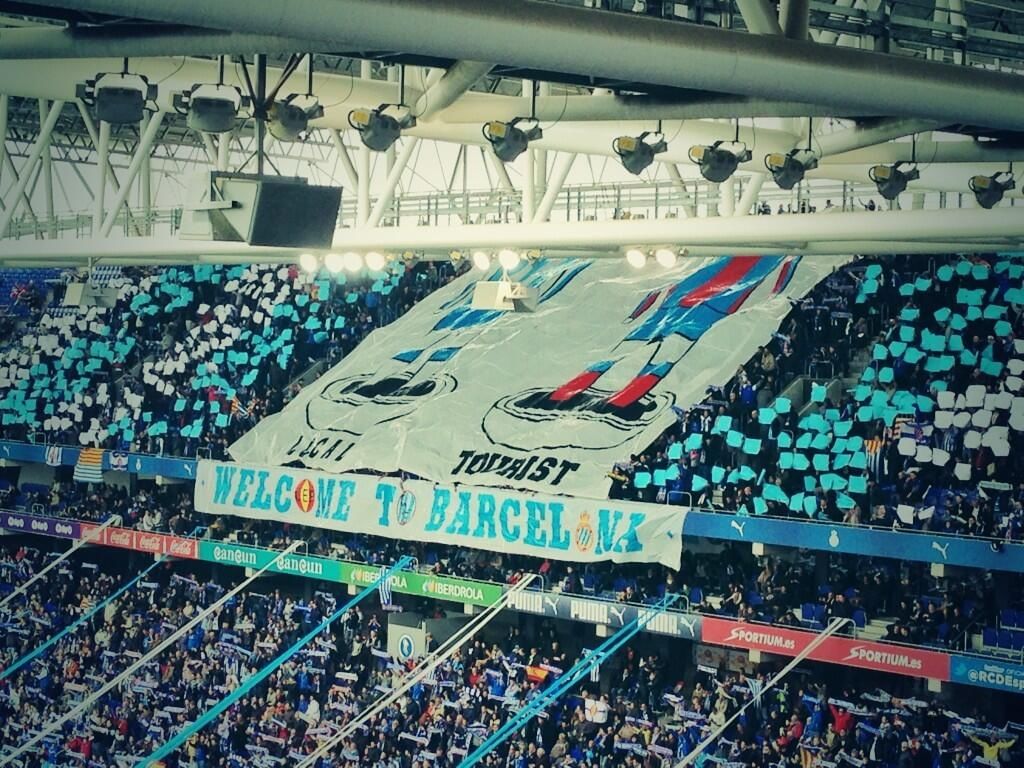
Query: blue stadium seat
[990, 637]
[589, 583]
[860, 618]
[1006, 639]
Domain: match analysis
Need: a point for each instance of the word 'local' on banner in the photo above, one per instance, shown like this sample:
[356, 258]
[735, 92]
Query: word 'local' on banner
[579, 530]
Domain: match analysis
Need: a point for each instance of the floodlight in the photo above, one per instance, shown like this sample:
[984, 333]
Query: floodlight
[309, 262]
[636, 153]
[377, 129]
[118, 98]
[717, 163]
[788, 170]
[508, 258]
[351, 261]
[482, 260]
[890, 180]
[288, 121]
[211, 108]
[375, 261]
[989, 190]
[508, 140]
[636, 258]
[333, 262]
[666, 257]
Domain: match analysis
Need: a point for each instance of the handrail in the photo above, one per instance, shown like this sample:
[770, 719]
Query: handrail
[577, 201]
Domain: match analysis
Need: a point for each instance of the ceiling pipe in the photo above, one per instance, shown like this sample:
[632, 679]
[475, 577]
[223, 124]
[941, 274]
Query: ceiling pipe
[794, 18]
[460, 77]
[135, 40]
[759, 16]
[54, 78]
[932, 152]
[556, 38]
[618, 107]
[868, 134]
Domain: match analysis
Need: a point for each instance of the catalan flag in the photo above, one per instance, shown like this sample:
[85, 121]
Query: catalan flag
[238, 407]
[89, 468]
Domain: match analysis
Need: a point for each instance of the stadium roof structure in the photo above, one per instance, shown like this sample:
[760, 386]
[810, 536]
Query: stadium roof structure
[933, 85]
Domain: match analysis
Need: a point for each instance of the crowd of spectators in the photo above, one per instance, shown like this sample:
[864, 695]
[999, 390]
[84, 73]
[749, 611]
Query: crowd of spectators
[917, 423]
[188, 359]
[803, 590]
[647, 709]
[914, 420]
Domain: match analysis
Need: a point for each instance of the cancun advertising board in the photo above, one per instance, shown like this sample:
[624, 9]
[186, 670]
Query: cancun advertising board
[309, 566]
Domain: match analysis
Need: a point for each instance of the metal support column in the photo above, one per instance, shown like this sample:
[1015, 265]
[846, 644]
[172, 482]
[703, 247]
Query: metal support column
[145, 183]
[750, 193]
[224, 151]
[42, 141]
[144, 148]
[211, 149]
[794, 18]
[558, 175]
[689, 198]
[345, 159]
[388, 194]
[47, 173]
[363, 174]
[3, 141]
[540, 179]
[390, 153]
[727, 197]
[530, 176]
[102, 149]
[504, 180]
[261, 111]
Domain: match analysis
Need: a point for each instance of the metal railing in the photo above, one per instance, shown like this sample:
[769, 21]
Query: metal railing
[583, 202]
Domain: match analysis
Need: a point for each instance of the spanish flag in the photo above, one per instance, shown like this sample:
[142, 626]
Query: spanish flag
[89, 468]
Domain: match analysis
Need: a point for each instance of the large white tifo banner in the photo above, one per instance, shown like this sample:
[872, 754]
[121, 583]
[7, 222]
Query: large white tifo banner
[548, 400]
[581, 530]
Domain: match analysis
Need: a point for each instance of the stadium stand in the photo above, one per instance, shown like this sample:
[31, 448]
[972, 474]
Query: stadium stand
[885, 600]
[186, 360]
[841, 418]
[646, 713]
[912, 425]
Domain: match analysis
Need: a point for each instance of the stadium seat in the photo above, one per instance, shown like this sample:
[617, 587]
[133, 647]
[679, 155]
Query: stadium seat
[1005, 640]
